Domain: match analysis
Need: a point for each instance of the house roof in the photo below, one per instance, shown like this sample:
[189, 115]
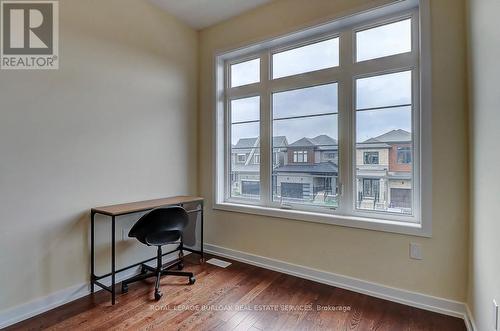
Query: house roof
[319, 141]
[323, 167]
[388, 137]
[248, 143]
[393, 136]
[245, 167]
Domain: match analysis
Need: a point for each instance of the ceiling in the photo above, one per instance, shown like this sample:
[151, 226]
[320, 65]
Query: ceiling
[200, 14]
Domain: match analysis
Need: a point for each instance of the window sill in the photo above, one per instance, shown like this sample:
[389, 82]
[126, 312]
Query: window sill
[340, 220]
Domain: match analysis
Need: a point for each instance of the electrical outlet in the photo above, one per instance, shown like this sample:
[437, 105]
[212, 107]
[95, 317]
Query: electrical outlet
[416, 251]
[495, 315]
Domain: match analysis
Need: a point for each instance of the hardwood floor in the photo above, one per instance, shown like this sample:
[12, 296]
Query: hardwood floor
[267, 300]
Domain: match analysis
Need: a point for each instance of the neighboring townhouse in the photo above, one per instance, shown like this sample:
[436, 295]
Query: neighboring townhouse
[310, 172]
[384, 172]
[245, 165]
[306, 171]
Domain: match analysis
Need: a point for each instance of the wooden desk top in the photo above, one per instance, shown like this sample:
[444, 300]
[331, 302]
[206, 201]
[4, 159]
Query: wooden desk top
[134, 207]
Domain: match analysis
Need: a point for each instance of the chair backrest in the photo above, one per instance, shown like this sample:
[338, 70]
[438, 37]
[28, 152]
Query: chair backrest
[159, 220]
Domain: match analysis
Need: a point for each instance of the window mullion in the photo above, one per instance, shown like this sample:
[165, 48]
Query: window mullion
[265, 131]
[345, 124]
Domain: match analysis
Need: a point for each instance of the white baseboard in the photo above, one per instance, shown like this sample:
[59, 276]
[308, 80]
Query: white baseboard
[418, 300]
[414, 299]
[469, 320]
[59, 298]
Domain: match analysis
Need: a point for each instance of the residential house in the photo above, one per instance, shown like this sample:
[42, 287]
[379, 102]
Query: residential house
[384, 172]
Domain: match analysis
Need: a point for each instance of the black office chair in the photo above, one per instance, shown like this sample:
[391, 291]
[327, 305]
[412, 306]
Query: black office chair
[161, 226]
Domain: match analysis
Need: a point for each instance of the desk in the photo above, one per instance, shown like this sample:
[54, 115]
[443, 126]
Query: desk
[130, 208]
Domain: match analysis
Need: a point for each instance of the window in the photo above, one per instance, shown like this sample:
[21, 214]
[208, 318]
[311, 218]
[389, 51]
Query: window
[315, 56]
[383, 118]
[299, 156]
[404, 155]
[256, 159]
[371, 157]
[332, 120]
[371, 188]
[384, 40]
[241, 158]
[245, 73]
[245, 136]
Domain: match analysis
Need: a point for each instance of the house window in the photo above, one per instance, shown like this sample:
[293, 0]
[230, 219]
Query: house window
[241, 158]
[329, 156]
[371, 157]
[371, 188]
[404, 155]
[317, 106]
[300, 156]
[256, 159]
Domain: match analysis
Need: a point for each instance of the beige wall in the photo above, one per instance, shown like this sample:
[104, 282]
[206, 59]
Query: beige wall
[375, 256]
[484, 283]
[116, 122]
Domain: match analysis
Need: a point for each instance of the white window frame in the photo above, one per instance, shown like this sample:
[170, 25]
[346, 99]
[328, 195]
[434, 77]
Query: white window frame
[419, 223]
[300, 156]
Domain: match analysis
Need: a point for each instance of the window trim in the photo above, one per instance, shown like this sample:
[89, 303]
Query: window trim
[300, 156]
[399, 149]
[366, 157]
[383, 221]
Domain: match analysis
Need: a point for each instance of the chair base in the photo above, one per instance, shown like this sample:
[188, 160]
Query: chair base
[161, 270]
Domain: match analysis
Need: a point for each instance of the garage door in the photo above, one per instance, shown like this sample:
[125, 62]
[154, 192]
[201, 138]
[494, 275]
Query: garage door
[292, 190]
[250, 188]
[400, 198]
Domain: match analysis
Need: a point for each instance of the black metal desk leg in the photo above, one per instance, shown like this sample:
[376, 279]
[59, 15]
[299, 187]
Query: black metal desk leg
[92, 271]
[113, 294]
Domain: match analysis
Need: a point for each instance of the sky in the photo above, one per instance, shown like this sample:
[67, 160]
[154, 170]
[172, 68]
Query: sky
[387, 90]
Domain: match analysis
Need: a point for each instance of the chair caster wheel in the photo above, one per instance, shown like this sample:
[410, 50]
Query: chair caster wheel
[158, 295]
[124, 288]
[180, 266]
[192, 280]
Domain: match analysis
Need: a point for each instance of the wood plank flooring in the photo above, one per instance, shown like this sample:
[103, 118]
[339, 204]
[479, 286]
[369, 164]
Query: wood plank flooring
[240, 297]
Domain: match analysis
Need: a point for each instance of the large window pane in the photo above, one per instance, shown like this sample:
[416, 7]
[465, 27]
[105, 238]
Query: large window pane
[383, 167]
[373, 123]
[245, 151]
[385, 40]
[321, 99]
[384, 90]
[305, 147]
[245, 73]
[246, 109]
[320, 55]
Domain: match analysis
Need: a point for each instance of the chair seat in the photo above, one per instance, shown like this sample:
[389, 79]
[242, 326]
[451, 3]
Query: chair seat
[163, 237]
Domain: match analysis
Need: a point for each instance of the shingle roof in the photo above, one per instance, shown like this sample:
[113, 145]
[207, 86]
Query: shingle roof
[278, 141]
[303, 142]
[398, 135]
[388, 137]
[246, 143]
[324, 140]
[323, 167]
[321, 140]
